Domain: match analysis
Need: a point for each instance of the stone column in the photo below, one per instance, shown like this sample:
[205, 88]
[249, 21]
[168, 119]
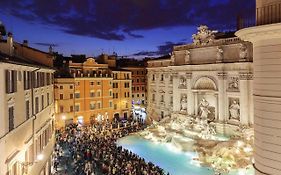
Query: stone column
[221, 96]
[196, 103]
[244, 78]
[190, 98]
[266, 41]
[176, 94]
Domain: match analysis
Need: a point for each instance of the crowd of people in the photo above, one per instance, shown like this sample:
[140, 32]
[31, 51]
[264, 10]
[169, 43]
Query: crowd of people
[94, 151]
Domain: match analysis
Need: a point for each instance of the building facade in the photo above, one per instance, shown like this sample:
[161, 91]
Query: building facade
[92, 92]
[266, 39]
[212, 78]
[138, 85]
[27, 110]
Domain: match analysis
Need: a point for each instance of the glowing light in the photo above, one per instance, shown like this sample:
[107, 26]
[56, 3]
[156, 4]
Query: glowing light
[63, 117]
[40, 157]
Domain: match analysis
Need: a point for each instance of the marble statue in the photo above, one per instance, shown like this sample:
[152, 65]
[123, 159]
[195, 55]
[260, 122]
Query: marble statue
[173, 58]
[234, 110]
[183, 103]
[243, 52]
[204, 36]
[219, 54]
[187, 57]
[204, 104]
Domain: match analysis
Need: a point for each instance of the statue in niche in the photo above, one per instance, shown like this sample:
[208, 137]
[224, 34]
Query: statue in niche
[187, 57]
[243, 51]
[234, 110]
[234, 83]
[204, 111]
[182, 82]
[183, 103]
[204, 36]
[219, 54]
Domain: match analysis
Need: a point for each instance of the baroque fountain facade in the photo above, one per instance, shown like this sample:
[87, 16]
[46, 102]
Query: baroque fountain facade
[201, 99]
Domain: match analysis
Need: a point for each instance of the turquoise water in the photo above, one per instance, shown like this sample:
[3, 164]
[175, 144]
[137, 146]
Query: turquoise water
[167, 157]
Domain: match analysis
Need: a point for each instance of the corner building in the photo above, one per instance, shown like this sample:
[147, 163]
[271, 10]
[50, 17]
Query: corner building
[26, 109]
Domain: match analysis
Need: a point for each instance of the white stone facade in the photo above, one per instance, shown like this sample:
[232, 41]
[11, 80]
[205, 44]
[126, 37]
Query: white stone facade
[218, 75]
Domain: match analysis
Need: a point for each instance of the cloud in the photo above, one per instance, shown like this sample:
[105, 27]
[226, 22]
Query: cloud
[46, 44]
[120, 19]
[162, 49]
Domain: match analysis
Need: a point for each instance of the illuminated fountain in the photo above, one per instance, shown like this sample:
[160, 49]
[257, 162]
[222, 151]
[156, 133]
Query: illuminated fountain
[222, 154]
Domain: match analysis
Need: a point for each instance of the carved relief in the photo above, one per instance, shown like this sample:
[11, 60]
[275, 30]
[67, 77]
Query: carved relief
[234, 109]
[204, 36]
[245, 75]
[182, 84]
[233, 84]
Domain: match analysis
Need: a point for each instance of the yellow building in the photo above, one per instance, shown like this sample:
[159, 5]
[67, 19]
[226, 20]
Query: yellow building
[26, 110]
[92, 92]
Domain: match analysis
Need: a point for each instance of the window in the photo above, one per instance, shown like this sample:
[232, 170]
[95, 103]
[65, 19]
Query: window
[71, 96]
[70, 87]
[142, 88]
[162, 77]
[171, 100]
[138, 80]
[77, 95]
[92, 94]
[125, 94]
[162, 98]
[128, 94]
[27, 80]
[48, 99]
[71, 108]
[36, 105]
[115, 106]
[153, 97]
[142, 95]
[92, 83]
[77, 108]
[61, 96]
[133, 96]
[137, 72]
[98, 83]
[127, 105]
[92, 106]
[98, 94]
[11, 81]
[42, 102]
[162, 114]
[61, 109]
[171, 79]
[11, 118]
[27, 113]
[138, 95]
[61, 87]
[110, 104]
[110, 93]
[153, 77]
[77, 83]
[98, 105]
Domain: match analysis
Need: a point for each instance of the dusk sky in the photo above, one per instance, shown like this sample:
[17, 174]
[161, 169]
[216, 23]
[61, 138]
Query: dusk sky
[128, 27]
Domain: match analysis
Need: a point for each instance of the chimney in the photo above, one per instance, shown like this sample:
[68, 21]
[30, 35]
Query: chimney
[25, 43]
[10, 43]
